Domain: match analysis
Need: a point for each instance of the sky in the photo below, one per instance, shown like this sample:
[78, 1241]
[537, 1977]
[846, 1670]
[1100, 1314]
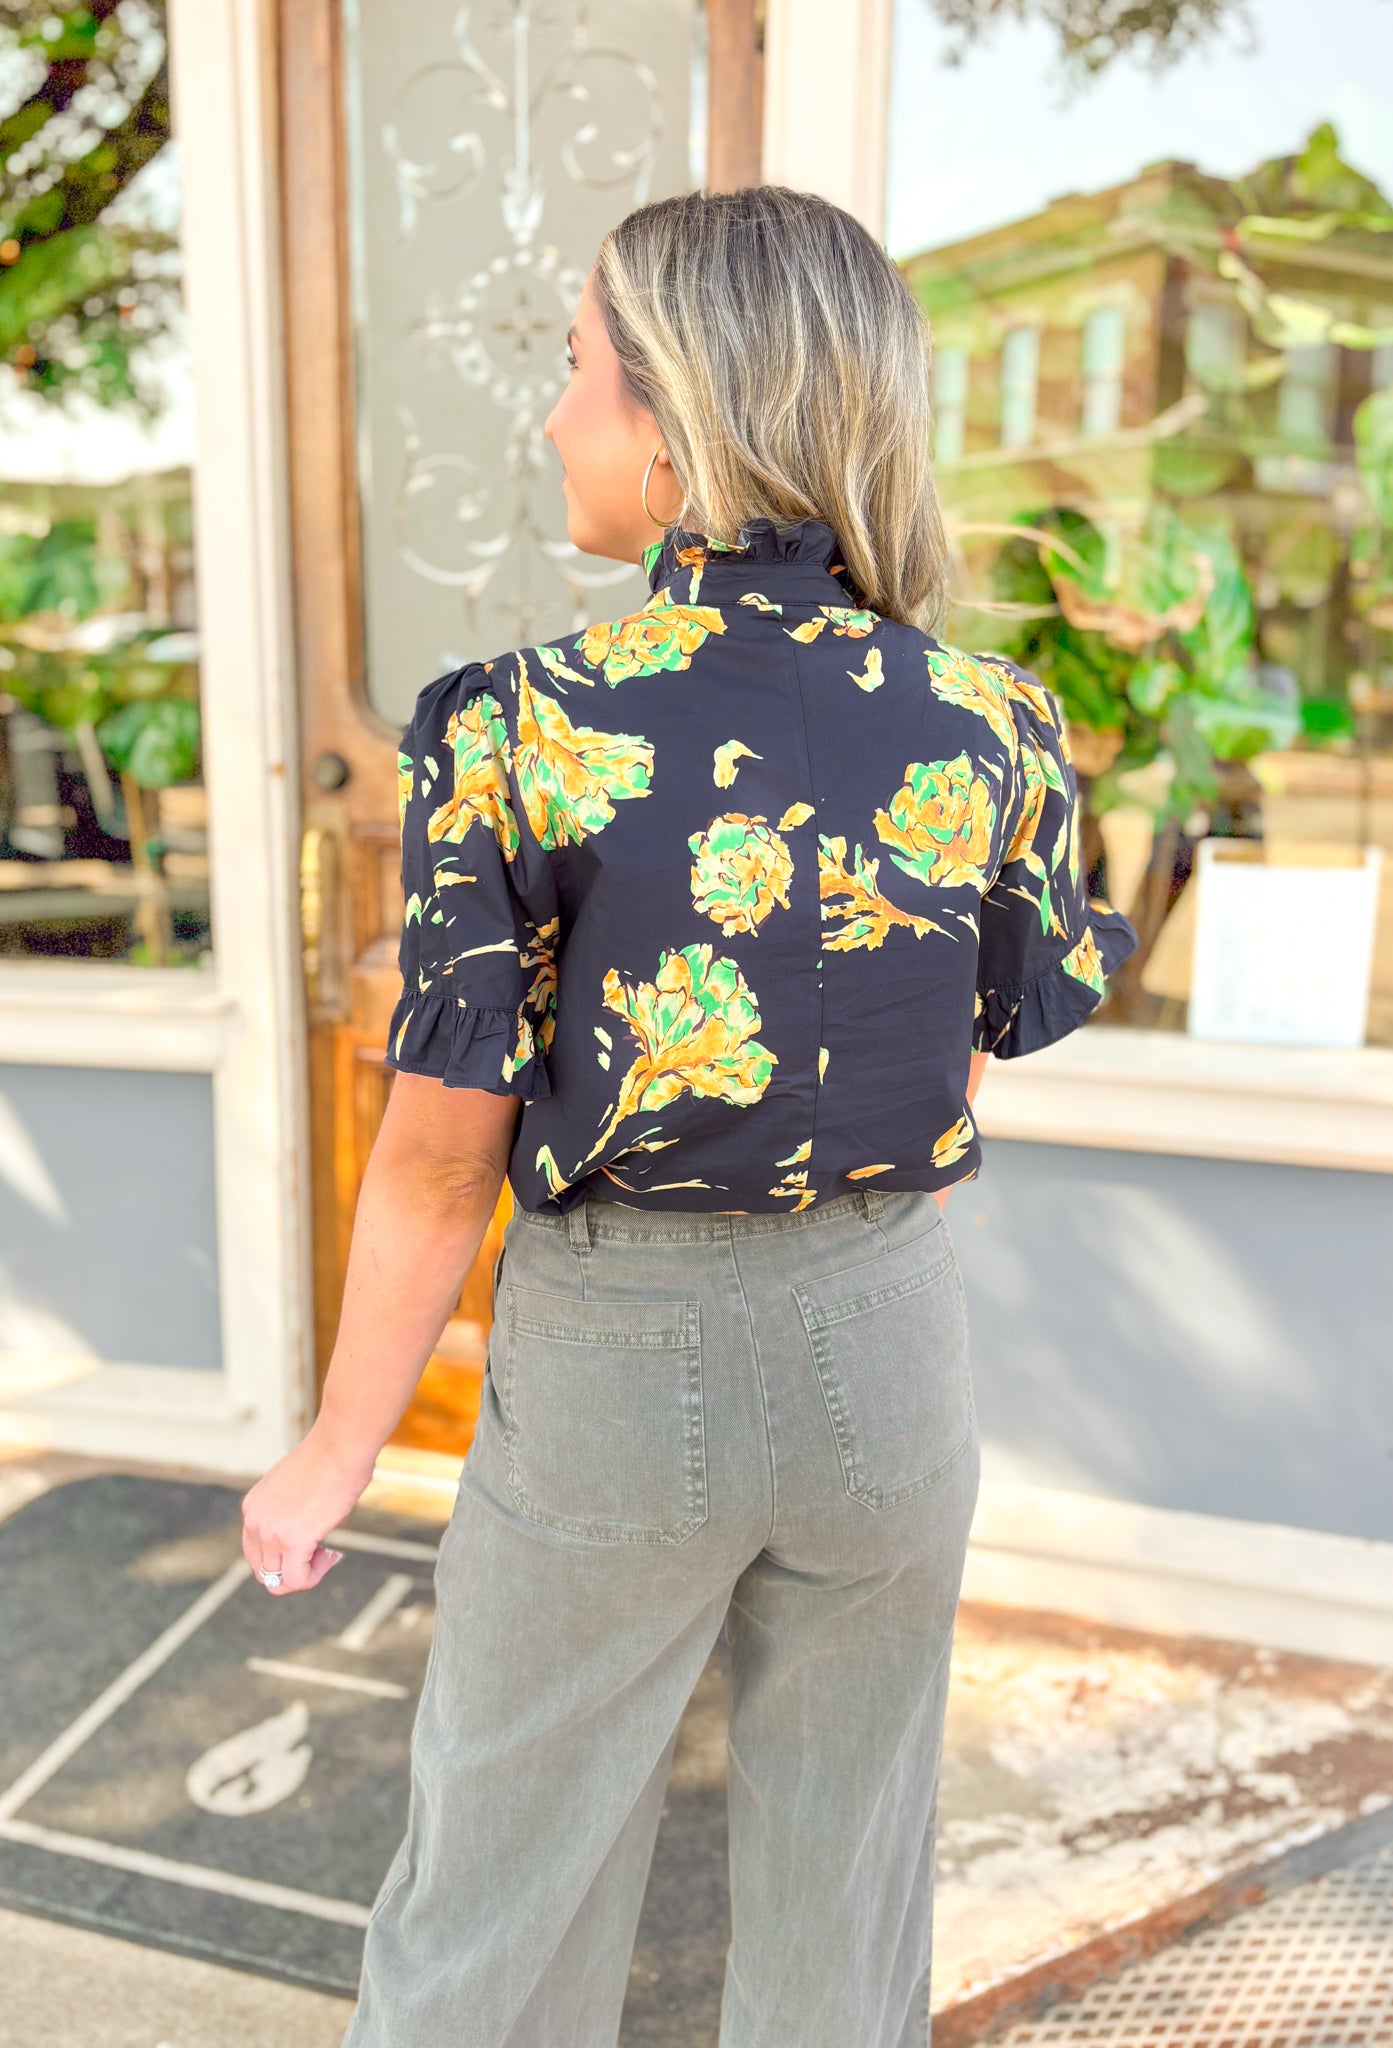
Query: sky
[81, 442]
[994, 140]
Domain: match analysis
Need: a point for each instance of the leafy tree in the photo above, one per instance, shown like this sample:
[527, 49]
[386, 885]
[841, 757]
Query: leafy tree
[86, 277]
[1092, 33]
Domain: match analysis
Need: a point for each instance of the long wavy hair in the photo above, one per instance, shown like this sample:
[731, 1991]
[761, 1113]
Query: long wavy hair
[787, 364]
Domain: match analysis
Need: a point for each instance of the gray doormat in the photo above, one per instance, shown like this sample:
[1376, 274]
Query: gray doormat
[188, 1763]
[185, 1761]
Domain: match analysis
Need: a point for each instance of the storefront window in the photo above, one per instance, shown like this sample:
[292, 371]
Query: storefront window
[103, 816]
[1162, 298]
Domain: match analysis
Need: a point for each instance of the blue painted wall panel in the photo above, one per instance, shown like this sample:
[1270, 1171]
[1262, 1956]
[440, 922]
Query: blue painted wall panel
[108, 1244]
[1187, 1333]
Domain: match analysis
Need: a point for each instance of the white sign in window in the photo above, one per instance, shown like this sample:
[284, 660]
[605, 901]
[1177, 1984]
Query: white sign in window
[1283, 943]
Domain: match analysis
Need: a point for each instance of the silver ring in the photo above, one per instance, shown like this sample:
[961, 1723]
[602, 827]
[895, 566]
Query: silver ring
[269, 1578]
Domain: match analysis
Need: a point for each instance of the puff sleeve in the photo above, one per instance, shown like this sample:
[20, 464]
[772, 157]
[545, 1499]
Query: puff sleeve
[478, 940]
[1045, 949]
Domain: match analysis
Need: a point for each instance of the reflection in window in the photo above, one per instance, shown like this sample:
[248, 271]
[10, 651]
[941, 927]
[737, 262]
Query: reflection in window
[103, 825]
[950, 403]
[1104, 344]
[1381, 357]
[1305, 396]
[1020, 371]
[1216, 347]
[1215, 609]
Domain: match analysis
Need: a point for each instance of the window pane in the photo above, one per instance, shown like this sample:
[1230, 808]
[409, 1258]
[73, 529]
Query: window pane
[1181, 253]
[1103, 353]
[950, 402]
[1306, 392]
[103, 817]
[1020, 356]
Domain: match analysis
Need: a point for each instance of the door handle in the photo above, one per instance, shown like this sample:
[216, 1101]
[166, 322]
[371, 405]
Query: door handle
[319, 867]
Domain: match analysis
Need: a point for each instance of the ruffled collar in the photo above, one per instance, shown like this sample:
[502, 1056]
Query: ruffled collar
[806, 553]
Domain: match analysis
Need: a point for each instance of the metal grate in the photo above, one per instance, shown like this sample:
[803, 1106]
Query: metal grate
[1311, 1967]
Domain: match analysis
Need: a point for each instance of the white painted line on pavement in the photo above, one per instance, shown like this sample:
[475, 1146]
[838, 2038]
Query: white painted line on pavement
[389, 1595]
[121, 1688]
[382, 1688]
[196, 1875]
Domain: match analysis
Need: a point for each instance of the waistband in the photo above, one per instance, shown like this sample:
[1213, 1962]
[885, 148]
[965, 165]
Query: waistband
[598, 1217]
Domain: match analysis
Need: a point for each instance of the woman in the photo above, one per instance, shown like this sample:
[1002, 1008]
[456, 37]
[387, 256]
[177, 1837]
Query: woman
[714, 913]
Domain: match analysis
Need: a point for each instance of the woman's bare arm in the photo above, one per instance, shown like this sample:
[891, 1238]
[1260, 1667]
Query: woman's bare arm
[429, 1190]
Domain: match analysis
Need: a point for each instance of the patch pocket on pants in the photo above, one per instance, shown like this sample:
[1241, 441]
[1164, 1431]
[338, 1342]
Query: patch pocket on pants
[603, 1417]
[889, 1341]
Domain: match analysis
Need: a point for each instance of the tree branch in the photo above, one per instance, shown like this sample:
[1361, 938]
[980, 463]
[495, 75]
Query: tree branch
[88, 186]
[65, 78]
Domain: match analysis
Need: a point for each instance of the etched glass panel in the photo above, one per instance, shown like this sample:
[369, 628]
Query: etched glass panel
[490, 149]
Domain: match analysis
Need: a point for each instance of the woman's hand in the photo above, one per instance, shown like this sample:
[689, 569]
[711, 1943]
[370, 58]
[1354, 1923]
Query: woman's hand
[311, 1490]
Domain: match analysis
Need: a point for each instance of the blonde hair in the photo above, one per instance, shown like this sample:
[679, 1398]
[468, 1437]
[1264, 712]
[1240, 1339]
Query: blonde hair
[786, 363]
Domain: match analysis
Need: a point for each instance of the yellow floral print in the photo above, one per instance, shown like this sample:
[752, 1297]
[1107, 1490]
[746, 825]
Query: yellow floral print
[1085, 964]
[940, 822]
[796, 1182]
[847, 621]
[545, 1163]
[695, 1025]
[726, 759]
[538, 957]
[959, 679]
[405, 765]
[795, 815]
[569, 775]
[1041, 774]
[1026, 690]
[873, 674]
[862, 1172]
[954, 1142]
[478, 738]
[1033, 801]
[556, 665]
[662, 637]
[740, 870]
[868, 914]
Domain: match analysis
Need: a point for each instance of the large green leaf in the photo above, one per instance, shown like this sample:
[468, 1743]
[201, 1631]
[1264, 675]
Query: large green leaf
[155, 743]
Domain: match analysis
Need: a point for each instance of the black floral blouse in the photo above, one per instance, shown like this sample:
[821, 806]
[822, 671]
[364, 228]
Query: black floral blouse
[728, 889]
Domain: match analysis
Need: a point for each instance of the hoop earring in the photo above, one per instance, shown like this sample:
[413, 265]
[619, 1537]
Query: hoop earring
[664, 523]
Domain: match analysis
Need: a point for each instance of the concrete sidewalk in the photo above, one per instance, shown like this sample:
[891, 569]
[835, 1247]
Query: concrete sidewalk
[1105, 1794]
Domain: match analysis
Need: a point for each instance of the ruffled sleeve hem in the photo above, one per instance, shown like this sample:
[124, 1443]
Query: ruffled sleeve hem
[1015, 1020]
[466, 1047]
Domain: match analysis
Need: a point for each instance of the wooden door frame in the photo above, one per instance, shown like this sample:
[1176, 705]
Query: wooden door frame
[350, 905]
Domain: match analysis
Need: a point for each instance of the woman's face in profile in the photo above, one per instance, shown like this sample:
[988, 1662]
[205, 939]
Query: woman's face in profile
[605, 441]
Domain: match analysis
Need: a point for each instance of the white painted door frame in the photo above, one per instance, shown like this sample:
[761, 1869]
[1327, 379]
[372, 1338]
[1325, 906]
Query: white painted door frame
[827, 101]
[243, 1022]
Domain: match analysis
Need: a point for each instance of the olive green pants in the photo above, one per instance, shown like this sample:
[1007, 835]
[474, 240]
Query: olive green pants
[691, 1421]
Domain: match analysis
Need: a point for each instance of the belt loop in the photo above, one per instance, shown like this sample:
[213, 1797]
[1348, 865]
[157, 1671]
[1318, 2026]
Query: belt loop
[578, 1227]
[874, 1200]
